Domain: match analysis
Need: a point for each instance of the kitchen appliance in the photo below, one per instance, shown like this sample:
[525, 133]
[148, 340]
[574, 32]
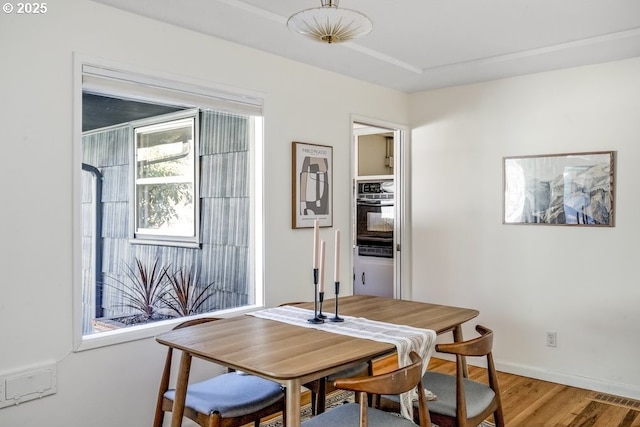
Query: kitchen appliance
[375, 219]
[374, 264]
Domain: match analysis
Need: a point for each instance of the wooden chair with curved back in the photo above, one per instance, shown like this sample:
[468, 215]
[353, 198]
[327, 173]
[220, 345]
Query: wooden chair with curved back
[321, 387]
[229, 400]
[361, 414]
[461, 402]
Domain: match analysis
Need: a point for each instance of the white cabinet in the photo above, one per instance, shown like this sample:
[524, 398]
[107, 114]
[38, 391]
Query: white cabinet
[373, 276]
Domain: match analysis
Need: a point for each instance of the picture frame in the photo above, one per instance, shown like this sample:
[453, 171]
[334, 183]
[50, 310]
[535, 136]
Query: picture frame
[575, 189]
[311, 185]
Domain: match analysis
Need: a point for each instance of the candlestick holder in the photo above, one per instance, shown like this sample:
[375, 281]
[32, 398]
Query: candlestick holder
[337, 318]
[315, 318]
[321, 299]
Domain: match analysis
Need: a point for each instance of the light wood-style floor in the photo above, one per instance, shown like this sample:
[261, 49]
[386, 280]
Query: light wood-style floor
[534, 403]
[528, 402]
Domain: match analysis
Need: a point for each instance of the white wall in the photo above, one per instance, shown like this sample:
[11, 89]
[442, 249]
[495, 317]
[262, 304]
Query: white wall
[116, 386]
[525, 280]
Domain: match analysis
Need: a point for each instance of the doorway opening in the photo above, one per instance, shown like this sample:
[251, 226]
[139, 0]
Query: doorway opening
[378, 210]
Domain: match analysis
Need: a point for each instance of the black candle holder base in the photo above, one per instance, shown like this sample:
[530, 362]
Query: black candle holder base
[321, 300]
[316, 318]
[337, 318]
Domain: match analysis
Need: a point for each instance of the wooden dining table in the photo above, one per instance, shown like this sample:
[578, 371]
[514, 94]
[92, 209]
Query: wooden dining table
[294, 355]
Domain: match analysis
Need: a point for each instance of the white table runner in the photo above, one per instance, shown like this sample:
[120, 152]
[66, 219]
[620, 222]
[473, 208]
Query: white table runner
[405, 338]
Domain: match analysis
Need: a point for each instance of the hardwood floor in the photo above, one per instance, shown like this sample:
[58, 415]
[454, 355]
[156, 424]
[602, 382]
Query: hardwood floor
[528, 402]
[534, 403]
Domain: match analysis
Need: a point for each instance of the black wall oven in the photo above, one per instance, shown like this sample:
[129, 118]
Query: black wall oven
[375, 219]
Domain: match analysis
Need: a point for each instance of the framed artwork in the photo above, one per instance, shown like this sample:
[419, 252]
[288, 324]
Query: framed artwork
[559, 189]
[311, 185]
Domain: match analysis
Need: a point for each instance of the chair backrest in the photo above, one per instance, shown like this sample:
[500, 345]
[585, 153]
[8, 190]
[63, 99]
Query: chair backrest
[290, 303]
[193, 322]
[479, 347]
[395, 382]
[167, 364]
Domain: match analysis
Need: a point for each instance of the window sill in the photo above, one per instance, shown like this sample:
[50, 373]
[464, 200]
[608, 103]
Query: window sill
[149, 330]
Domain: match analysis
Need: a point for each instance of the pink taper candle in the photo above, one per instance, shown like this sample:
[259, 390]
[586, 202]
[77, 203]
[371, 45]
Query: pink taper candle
[316, 233]
[336, 264]
[321, 280]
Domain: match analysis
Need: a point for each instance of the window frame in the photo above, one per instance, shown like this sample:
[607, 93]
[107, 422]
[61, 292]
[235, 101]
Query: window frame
[125, 78]
[139, 236]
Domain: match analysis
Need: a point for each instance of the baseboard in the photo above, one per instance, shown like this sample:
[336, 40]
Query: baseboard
[618, 389]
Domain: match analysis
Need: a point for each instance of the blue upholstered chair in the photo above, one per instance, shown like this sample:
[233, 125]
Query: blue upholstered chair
[228, 400]
[360, 414]
[461, 402]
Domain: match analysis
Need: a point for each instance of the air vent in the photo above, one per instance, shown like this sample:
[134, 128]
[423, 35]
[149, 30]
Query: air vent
[618, 401]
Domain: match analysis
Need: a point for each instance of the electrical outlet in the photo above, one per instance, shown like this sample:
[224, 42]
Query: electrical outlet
[552, 339]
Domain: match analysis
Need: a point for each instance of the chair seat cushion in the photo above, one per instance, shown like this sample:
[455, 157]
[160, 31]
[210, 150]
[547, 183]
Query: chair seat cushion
[348, 415]
[231, 394]
[361, 369]
[478, 396]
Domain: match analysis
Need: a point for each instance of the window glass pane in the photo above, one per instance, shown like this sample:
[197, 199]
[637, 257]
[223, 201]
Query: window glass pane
[168, 200]
[165, 209]
[165, 178]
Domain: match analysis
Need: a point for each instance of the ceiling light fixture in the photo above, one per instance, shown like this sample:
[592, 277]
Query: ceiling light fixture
[329, 24]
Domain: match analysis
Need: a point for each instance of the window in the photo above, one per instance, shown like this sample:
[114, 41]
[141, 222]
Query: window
[169, 203]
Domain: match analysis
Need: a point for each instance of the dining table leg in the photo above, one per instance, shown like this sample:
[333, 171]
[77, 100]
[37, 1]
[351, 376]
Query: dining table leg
[181, 390]
[457, 337]
[292, 402]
